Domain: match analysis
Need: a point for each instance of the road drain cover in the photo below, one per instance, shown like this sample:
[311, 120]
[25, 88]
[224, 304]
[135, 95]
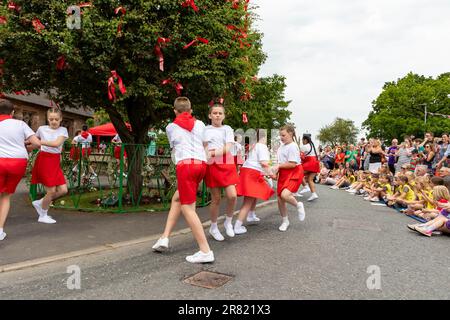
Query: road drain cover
[208, 279]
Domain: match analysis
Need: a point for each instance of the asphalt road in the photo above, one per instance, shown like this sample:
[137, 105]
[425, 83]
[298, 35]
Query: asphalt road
[325, 257]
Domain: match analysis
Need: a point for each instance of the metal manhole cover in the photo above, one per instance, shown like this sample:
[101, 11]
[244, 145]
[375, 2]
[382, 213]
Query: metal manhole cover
[207, 279]
[356, 225]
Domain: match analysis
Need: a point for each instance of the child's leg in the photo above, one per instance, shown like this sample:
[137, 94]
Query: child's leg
[47, 199]
[5, 203]
[60, 191]
[312, 185]
[282, 207]
[246, 207]
[173, 216]
[287, 196]
[231, 195]
[195, 224]
[215, 204]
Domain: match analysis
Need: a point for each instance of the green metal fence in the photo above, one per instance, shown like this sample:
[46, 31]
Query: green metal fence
[99, 182]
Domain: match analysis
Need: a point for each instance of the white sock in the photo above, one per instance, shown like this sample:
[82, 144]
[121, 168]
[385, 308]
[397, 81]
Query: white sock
[285, 219]
[251, 214]
[214, 225]
[237, 224]
[228, 220]
[1, 230]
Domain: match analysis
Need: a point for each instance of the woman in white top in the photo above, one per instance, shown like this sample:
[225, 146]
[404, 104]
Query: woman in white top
[47, 167]
[221, 171]
[14, 136]
[290, 175]
[252, 184]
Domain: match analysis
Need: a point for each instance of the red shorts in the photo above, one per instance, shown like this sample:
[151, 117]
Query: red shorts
[86, 152]
[252, 184]
[311, 164]
[11, 172]
[117, 150]
[190, 173]
[290, 179]
[47, 170]
[221, 172]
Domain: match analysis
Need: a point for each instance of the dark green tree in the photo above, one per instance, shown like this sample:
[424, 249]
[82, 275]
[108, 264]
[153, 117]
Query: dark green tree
[338, 132]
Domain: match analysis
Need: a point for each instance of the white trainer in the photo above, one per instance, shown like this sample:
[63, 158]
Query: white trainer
[37, 204]
[2, 236]
[201, 257]
[301, 211]
[216, 234]
[314, 196]
[305, 190]
[284, 226]
[229, 229]
[251, 217]
[46, 219]
[161, 245]
[240, 230]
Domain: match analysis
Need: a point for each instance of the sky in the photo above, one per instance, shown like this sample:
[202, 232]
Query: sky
[336, 55]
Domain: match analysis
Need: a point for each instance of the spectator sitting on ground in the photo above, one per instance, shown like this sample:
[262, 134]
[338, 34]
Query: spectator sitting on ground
[441, 196]
[383, 189]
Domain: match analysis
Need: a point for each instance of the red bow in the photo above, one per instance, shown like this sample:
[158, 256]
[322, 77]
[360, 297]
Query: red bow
[85, 4]
[3, 20]
[158, 51]
[123, 11]
[198, 39]
[112, 87]
[61, 63]
[178, 87]
[244, 117]
[190, 3]
[213, 102]
[37, 25]
[247, 96]
[13, 6]
[240, 34]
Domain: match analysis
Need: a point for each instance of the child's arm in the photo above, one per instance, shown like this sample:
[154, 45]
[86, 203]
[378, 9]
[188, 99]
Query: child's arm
[55, 143]
[32, 143]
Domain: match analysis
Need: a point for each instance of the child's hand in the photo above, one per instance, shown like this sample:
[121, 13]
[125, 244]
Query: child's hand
[275, 169]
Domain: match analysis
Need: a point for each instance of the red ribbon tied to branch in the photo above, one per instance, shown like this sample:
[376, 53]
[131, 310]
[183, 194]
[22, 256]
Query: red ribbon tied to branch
[178, 87]
[61, 63]
[13, 6]
[123, 11]
[3, 20]
[213, 102]
[37, 25]
[190, 3]
[112, 86]
[195, 41]
[244, 118]
[158, 51]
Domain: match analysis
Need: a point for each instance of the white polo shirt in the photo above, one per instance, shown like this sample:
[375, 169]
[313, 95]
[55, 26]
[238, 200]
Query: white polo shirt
[48, 134]
[258, 153]
[289, 153]
[13, 134]
[85, 142]
[187, 144]
[217, 137]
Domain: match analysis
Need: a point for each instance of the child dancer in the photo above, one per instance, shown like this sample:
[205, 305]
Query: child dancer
[221, 170]
[252, 184]
[14, 135]
[185, 137]
[47, 168]
[290, 175]
[310, 164]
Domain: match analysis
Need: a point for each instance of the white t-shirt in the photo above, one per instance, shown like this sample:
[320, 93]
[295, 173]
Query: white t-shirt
[217, 137]
[13, 134]
[237, 149]
[186, 144]
[48, 134]
[257, 154]
[289, 153]
[308, 150]
[85, 142]
[116, 139]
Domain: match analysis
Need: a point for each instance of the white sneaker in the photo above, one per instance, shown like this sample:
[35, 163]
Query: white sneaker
[314, 196]
[284, 226]
[352, 191]
[37, 204]
[229, 229]
[201, 257]
[240, 230]
[161, 245]
[367, 198]
[216, 234]
[305, 190]
[297, 195]
[46, 219]
[2, 236]
[374, 199]
[252, 218]
[301, 211]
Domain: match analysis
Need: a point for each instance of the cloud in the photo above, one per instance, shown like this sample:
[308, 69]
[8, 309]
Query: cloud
[336, 55]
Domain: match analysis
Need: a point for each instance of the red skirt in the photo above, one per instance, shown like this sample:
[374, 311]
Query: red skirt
[74, 153]
[221, 172]
[86, 152]
[11, 172]
[290, 179]
[117, 150]
[252, 184]
[47, 170]
[311, 164]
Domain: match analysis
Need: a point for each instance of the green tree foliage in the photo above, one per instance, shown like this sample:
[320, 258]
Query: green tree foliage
[338, 132]
[399, 110]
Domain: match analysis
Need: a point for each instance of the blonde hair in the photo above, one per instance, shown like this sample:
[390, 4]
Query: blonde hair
[54, 110]
[289, 129]
[441, 192]
[182, 104]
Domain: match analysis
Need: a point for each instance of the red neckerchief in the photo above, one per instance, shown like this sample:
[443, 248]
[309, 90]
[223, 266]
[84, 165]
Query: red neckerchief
[186, 121]
[85, 134]
[4, 117]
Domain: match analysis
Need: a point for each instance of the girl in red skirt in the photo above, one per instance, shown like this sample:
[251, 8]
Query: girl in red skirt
[290, 175]
[47, 168]
[310, 163]
[252, 184]
[221, 170]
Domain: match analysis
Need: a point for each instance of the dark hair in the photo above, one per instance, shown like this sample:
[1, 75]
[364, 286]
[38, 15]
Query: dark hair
[6, 106]
[437, 181]
[84, 127]
[307, 137]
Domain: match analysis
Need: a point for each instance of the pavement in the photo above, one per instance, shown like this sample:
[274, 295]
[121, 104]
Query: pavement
[29, 242]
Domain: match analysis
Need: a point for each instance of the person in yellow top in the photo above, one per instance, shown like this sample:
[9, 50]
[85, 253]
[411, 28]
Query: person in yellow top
[407, 195]
[381, 188]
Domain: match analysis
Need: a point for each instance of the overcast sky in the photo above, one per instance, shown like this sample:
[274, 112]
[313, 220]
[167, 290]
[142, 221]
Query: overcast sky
[337, 54]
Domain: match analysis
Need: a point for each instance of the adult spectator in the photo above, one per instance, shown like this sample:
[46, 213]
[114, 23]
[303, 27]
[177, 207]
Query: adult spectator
[428, 156]
[376, 153]
[339, 157]
[391, 153]
[444, 152]
[350, 156]
[328, 158]
[404, 154]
